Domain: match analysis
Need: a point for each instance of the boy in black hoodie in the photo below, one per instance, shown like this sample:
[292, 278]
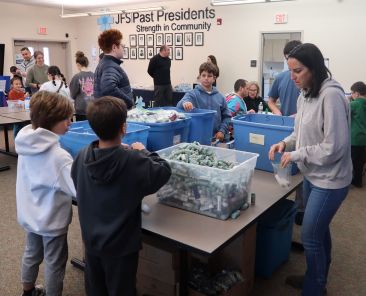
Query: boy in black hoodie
[111, 180]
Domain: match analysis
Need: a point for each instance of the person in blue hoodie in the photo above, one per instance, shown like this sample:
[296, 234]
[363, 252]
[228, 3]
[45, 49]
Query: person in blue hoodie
[44, 191]
[206, 96]
[111, 180]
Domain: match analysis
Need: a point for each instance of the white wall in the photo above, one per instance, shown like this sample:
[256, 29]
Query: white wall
[22, 21]
[335, 26]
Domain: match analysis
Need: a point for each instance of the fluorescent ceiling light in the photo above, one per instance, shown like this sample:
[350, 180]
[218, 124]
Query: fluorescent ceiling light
[107, 12]
[237, 2]
[68, 15]
[145, 9]
[104, 12]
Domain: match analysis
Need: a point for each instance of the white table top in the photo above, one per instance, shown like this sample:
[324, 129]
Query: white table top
[206, 234]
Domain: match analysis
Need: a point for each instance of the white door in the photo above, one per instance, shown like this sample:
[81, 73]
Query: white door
[54, 53]
[273, 61]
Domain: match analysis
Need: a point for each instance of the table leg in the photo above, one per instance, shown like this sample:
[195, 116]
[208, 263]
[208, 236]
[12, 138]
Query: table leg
[183, 275]
[6, 138]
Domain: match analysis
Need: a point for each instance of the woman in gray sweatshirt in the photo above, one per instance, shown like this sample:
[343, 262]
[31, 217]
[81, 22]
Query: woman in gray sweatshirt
[320, 145]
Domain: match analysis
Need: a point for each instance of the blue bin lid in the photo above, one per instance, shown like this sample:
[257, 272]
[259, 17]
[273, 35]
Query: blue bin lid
[193, 112]
[267, 121]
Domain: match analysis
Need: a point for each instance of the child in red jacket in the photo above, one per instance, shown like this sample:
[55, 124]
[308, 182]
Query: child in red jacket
[17, 91]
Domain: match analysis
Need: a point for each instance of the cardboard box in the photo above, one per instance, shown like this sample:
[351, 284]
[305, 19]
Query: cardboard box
[152, 287]
[154, 270]
[163, 258]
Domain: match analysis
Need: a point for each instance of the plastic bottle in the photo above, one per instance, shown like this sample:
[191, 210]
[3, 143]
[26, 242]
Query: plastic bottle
[260, 107]
[26, 103]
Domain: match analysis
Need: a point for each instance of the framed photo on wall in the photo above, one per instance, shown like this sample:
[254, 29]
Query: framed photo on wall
[169, 39]
[159, 39]
[198, 38]
[141, 40]
[150, 52]
[178, 53]
[157, 50]
[141, 53]
[126, 53]
[133, 40]
[171, 53]
[133, 53]
[188, 39]
[150, 40]
[178, 39]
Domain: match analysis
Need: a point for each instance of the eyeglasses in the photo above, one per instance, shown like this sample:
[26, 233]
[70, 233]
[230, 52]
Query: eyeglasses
[253, 90]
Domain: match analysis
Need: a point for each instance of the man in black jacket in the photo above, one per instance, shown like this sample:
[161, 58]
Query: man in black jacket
[109, 78]
[111, 181]
[159, 70]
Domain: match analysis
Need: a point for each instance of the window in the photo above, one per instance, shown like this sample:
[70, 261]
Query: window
[46, 54]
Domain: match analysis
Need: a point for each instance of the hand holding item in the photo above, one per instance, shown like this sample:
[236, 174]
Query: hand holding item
[279, 147]
[188, 106]
[285, 159]
[137, 146]
[220, 136]
[251, 111]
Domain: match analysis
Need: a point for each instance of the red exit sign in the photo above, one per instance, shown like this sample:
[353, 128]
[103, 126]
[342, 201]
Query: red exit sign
[42, 31]
[280, 18]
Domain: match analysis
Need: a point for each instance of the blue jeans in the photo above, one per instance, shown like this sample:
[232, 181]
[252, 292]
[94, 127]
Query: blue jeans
[320, 207]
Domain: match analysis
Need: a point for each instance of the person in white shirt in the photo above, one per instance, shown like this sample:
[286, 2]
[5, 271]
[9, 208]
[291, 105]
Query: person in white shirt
[57, 82]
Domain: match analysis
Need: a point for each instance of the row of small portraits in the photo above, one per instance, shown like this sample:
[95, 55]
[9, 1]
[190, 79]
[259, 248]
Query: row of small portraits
[180, 39]
[143, 53]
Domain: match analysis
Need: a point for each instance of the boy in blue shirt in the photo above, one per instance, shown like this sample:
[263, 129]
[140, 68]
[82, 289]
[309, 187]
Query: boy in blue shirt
[206, 96]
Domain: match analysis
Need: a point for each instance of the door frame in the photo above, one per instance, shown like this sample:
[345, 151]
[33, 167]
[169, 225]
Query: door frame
[68, 50]
[261, 41]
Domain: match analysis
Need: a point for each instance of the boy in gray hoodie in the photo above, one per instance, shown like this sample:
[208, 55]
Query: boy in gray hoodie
[44, 191]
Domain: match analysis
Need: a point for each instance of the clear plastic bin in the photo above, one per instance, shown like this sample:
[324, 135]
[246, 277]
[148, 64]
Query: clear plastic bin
[16, 104]
[209, 191]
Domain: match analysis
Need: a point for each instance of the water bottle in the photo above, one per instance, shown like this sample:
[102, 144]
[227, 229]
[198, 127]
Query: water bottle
[26, 103]
[260, 107]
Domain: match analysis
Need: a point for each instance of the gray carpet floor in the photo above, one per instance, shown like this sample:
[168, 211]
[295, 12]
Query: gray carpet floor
[346, 278]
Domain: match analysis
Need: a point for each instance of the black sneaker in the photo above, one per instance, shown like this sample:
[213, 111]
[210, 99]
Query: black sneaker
[39, 290]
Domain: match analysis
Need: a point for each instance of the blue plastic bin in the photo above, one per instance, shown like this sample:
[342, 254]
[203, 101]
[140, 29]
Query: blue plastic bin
[258, 132]
[274, 236]
[201, 126]
[80, 135]
[166, 134]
